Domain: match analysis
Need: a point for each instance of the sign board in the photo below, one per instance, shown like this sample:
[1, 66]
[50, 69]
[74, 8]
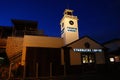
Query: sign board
[87, 50]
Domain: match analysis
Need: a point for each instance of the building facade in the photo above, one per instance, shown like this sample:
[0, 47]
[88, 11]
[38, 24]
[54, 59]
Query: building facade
[51, 56]
[36, 55]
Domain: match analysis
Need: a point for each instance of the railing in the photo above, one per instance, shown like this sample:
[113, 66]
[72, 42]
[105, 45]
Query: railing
[16, 56]
[25, 32]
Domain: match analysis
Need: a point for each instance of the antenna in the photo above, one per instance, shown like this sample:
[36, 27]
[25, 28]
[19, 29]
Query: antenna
[68, 5]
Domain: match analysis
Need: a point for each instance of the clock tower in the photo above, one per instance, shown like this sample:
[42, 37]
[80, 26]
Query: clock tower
[69, 27]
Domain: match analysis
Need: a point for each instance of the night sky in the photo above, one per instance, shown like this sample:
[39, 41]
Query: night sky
[98, 19]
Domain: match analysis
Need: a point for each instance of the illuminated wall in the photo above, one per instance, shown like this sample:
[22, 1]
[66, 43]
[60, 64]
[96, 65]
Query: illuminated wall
[14, 46]
[40, 41]
[75, 57]
[69, 28]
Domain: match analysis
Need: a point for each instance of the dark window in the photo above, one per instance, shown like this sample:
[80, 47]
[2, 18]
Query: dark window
[69, 13]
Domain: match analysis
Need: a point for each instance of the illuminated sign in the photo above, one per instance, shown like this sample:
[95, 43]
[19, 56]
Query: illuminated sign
[87, 50]
[71, 29]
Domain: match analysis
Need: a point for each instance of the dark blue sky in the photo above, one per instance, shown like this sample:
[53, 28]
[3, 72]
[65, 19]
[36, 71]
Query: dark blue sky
[99, 19]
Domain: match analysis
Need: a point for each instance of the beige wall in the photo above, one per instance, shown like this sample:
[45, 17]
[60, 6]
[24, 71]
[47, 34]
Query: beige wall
[14, 46]
[40, 41]
[82, 41]
[75, 58]
[69, 36]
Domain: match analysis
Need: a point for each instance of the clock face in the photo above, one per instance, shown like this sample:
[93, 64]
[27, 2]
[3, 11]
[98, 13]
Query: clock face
[71, 22]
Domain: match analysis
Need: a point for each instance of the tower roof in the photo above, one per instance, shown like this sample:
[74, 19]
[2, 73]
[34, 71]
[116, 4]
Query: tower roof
[68, 12]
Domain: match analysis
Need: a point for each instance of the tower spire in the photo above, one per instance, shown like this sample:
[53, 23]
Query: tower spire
[68, 4]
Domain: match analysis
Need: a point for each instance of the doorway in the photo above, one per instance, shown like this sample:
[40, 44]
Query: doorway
[88, 62]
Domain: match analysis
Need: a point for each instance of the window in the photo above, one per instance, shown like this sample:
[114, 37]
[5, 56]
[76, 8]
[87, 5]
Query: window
[88, 58]
[62, 24]
[111, 59]
[114, 59]
[117, 58]
[69, 13]
[62, 31]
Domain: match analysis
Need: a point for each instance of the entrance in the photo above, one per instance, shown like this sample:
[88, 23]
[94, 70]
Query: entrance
[88, 62]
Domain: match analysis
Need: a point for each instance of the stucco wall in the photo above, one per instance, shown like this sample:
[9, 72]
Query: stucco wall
[14, 46]
[40, 41]
[75, 58]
